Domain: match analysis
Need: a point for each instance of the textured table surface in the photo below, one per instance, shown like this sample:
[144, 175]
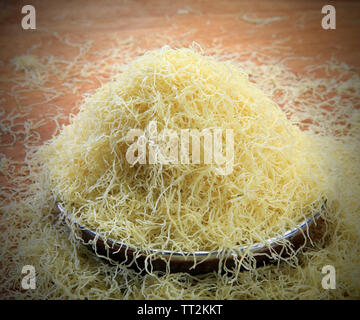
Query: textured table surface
[97, 25]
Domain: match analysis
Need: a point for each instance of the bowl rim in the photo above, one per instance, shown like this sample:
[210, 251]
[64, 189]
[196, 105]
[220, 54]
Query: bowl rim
[169, 253]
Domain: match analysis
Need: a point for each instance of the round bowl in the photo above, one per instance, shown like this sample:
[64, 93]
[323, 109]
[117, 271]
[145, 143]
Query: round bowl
[301, 237]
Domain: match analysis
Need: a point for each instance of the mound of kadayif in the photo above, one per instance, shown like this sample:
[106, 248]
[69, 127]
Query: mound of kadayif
[182, 152]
